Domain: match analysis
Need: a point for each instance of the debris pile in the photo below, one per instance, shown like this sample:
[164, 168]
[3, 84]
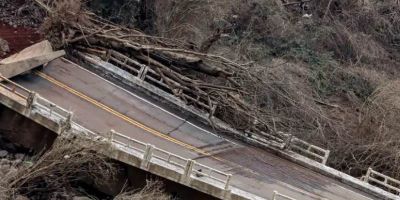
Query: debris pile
[66, 171]
[210, 82]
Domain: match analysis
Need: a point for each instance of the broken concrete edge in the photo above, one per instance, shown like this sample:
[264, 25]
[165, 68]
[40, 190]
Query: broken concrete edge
[39, 114]
[38, 49]
[28, 59]
[13, 69]
[131, 83]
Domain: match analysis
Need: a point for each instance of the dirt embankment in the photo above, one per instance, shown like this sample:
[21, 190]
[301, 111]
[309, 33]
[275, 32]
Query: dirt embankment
[17, 38]
[19, 21]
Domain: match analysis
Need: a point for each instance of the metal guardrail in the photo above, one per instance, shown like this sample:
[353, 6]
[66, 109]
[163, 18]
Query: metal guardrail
[286, 141]
[16, 89]
[388, 183]
[190, 167]
[145, 73]
[53, 109]
[32, 99]
[309, 150]
[202, 170]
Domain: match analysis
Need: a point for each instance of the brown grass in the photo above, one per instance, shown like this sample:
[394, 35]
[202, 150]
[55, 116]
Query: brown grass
[152, 190]
[65, 163]
[360, 38]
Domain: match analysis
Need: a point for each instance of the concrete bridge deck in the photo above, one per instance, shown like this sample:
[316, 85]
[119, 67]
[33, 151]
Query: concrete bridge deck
[100, 106]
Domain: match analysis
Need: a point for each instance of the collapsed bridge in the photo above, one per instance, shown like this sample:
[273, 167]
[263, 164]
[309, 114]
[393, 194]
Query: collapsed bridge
[146, 132]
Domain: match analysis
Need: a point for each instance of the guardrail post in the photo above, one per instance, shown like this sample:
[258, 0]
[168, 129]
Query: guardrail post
[188, 171]
[67, 124]
[142, 73]
[68, 119]
[110, 138]
[366, 179]
[228, 193]
[288, 142]
[148, 153]
[228, 181]
[326, 157]
[274, 195]
[30, 100]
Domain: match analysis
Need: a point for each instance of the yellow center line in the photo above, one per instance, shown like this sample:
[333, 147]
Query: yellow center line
[124, 117]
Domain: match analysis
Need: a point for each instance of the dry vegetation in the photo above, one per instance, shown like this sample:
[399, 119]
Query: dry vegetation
[68, 171]
[324, 71]
[329, 78]
[151, 191]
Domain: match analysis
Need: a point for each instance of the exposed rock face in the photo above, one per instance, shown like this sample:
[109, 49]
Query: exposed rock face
[4, 48]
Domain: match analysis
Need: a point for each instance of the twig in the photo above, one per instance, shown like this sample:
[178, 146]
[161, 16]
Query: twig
[44, 6]
[327, 10]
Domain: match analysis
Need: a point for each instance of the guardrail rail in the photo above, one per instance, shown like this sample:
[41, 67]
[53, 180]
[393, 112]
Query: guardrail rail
[388, 183]
[145, 73]
[17, 89]
[190, 168]
[309, 150]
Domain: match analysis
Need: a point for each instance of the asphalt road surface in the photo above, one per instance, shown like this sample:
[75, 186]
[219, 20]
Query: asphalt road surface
[101, 106]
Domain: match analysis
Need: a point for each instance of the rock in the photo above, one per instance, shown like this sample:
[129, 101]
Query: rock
[4, 162]
[17, 162]
[20, 197]
[12, 172]
[19, 156]
[3, 153]
[4, 48]
[4, 169]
